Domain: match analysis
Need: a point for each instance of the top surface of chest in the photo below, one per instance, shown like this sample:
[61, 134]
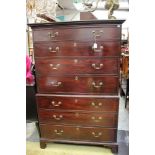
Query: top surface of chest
[79, 31]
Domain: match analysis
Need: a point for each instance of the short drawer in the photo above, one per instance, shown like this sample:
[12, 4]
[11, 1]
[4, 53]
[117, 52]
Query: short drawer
[77, 66]
[78, 103]
[78, 84]
[92, 134]
[70, 48]
[78, 118]
[77, 34]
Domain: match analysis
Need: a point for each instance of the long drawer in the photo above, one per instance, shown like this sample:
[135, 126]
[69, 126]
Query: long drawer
[92, 134]
[77, 66]
[77, 34]
[78, 118]
[78, 84]
[78, 103]
[73, 48]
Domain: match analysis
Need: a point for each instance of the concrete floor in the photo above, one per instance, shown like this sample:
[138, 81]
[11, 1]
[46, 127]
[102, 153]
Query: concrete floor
[123, 117]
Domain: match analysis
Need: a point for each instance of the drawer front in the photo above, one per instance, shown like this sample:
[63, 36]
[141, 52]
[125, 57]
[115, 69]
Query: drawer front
[95, 134]
[76, 66]
[77, 34]
[78, 118]
[78, 103]
[70, 48]
[78, 84]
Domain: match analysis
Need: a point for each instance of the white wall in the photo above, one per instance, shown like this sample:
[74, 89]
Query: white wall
[67, 4]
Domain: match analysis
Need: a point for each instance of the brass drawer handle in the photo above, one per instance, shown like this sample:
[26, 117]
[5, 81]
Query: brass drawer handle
[96, 119]
[56, 84]
[53, 34]
[96, 105]
[97, 86]
[98, 50]
[55, 67]
[97, 67]
[97, 33]
[96, 134]
[56, 104]
[57, 117]
[58, 132]
[52, 50]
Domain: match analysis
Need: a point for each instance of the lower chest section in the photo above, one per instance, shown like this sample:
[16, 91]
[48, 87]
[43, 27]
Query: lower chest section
[78, 133]
[86, 118]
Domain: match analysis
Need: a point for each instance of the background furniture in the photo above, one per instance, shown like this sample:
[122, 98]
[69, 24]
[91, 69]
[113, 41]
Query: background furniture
[87, 16]
[77, 74]
[31, 106]
[124, 77]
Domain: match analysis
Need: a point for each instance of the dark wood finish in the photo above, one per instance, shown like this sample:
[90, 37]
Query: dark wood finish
[86, 84]
[111, 145]
[114, 148]
[77, 85]
[78, 118]
[89, 23]
[78, 103]
[73, 48]
[93, 134]
[49, 67]
[42, 145]
[77, 34]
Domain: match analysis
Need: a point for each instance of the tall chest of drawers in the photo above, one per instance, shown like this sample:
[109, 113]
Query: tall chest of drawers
[77, 76]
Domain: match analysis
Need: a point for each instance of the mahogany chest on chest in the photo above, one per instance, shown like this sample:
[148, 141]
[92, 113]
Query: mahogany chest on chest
[77, 76]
